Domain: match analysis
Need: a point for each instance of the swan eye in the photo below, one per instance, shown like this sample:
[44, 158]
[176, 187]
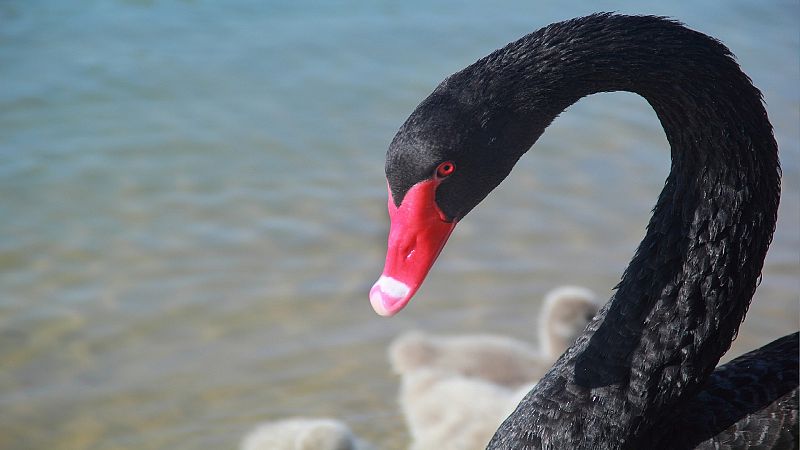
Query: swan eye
[445, 169]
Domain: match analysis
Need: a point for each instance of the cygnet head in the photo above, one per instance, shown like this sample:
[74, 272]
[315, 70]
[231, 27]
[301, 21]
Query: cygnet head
[565, 313]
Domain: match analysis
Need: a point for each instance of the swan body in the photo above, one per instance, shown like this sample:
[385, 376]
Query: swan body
[647, 361]
[302, 434]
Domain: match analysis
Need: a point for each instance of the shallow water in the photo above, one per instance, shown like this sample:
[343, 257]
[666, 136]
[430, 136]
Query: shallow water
[193, 206]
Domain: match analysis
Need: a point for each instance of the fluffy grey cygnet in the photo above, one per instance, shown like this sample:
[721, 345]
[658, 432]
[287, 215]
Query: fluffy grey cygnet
[303, 434]
[498, 359]
[456, 390]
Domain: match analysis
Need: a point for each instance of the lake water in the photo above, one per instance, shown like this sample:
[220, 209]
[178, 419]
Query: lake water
[193, 206]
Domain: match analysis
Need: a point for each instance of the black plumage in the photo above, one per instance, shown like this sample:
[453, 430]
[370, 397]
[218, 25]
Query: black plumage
[750, 402]
[646, 363]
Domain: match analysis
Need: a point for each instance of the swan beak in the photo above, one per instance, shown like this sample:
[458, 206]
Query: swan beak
[417, 234]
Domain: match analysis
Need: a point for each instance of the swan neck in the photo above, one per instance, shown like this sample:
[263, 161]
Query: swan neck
[680, 301]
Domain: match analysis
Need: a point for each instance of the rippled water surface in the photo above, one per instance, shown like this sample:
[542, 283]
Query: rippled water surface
[193, 206]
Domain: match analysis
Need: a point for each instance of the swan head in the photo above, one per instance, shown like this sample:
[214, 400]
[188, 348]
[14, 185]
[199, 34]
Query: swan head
[445, 159]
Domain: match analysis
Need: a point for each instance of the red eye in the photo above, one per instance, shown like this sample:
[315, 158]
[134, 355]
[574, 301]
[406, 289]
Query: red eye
[445, 169]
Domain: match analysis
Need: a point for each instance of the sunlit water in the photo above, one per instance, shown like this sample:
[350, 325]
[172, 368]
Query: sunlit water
[193, 206]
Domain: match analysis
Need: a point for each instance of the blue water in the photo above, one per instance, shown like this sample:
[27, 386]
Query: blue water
[193, 206]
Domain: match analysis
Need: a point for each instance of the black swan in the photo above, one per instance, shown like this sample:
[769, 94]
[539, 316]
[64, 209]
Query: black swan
[642, 373]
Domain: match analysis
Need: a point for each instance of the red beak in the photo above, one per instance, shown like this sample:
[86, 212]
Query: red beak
[417, 234]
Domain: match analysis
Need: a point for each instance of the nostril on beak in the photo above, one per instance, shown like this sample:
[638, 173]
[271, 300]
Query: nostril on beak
[409, 250]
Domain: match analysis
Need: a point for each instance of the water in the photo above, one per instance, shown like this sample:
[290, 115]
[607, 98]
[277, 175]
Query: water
[193, 206]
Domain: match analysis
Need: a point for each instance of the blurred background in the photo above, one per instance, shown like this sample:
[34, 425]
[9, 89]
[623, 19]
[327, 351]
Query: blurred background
[194, 209]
